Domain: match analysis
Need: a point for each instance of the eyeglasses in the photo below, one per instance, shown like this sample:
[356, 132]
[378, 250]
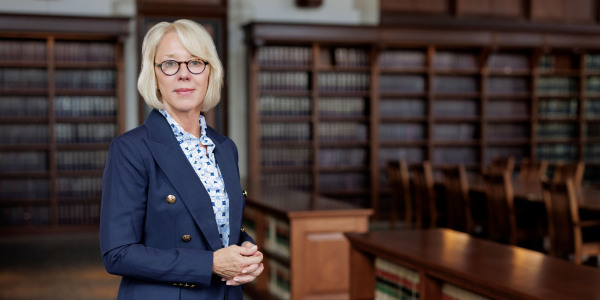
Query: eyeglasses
[171, 67]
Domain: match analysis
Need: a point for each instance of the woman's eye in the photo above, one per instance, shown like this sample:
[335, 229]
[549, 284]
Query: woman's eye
[169, 63]
[195, 62]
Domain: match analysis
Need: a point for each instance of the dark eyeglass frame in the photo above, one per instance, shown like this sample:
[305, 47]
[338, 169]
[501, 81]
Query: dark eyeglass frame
[179, 66]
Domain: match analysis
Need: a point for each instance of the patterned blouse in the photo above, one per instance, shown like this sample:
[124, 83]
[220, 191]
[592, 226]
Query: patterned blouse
[207, 170]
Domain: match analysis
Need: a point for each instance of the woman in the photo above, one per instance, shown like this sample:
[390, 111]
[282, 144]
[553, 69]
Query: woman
[171, 199]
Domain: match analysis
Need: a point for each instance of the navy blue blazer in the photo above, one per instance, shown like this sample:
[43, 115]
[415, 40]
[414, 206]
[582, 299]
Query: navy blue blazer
[141, 233]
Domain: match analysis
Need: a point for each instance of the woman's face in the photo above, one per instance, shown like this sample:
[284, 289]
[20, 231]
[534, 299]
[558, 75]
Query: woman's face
[184, 91]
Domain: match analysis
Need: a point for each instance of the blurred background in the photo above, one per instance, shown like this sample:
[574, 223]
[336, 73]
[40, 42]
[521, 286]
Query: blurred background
[335, 98]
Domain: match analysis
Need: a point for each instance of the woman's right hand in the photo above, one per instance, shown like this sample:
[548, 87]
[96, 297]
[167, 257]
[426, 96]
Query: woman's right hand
[232, 261]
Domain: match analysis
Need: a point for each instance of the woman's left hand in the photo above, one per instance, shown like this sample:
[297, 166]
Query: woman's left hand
[251, 271]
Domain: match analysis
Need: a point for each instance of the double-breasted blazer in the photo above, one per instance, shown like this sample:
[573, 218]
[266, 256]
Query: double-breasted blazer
[157, 226]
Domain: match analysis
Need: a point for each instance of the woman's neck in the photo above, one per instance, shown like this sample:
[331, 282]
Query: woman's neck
[188, 120]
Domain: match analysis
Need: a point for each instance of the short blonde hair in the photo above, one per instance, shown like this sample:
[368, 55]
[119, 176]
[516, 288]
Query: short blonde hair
[197, 42]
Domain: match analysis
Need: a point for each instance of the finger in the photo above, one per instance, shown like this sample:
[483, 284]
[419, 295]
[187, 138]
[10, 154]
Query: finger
[250, 269]
[248, 251]
[233, 283]
[243, 279]
[258, 271]
[251, 260]
[247, 244]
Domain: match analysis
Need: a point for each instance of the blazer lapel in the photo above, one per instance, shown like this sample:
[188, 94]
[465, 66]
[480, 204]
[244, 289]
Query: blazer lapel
[226, 161]
[166, 151]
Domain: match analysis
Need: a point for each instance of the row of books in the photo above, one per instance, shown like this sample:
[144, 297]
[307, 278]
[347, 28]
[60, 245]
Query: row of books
[593, 85]
[23, 161]
[455, 84]
[283, 81]
[395, 282]
[557, 130]
[497, 108]
[95, 79]
[23, 50]
[459, 132]
[284, 106]
[546, 62]
[455, 108]
[408, 59]
[409, 154]
[277, 237]
[402, 84]
[24, 188]
[592, 152]
[84, 133]
[549, 86]
[508, 131]
[281, 157]
[401, 131]
[299, 181]
[402, 107]
[508, 62]
[592, 62]
[341, 107]
[23, 106]
[277, 132]
[74, 106]
[79, 187]
[517, 152]
[79, 214]
[508, 85]
[342, 131]
[272, 56]
[455, 155]
[444, 60]
[557, 152]
[84, 52]
[13, 216]
[558, 107]
[351, 57]
[81, 160]
[342, 181]
[592, 108]
[12, 78]
[342, 157]
[334, 82]
[451, 292]
[23, 134]
[279, 280]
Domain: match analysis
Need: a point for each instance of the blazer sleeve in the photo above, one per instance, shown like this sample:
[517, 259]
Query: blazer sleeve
[244, 237]
[123, 213]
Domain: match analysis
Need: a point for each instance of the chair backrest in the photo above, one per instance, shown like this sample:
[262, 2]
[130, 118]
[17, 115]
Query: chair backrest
[532, 172]
[502, 164]
[562, 211]
[573, 171]
[499, 195]
[400, 188]
[456, 187]
[425, 207]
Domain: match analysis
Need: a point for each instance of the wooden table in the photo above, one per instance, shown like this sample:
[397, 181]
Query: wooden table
[484, 267]
[319, 260]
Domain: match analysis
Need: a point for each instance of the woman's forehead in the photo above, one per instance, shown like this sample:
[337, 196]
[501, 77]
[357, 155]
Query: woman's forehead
[170, 46]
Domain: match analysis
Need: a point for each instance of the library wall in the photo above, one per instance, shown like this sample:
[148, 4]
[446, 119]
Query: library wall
[96, 8]
[356, 12]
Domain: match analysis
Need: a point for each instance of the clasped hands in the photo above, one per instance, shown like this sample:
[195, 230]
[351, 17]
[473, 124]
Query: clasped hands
[238, 264]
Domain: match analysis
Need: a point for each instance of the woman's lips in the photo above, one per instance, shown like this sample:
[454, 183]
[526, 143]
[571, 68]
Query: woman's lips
[184, 92]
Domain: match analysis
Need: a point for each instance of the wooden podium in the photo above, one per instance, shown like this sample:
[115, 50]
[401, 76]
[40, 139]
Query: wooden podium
[315, 252]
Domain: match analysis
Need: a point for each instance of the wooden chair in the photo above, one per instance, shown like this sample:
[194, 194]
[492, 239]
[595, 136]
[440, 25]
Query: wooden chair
[532, 172]
[564, 225]
[502, 223]
[502, 164]
[456, 187]
[400, 187]
[564, 171]
[425, 203]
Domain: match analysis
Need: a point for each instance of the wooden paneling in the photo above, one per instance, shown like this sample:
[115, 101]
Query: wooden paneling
[570, 11]
[498, 8]
[412, 6]
[329, 270]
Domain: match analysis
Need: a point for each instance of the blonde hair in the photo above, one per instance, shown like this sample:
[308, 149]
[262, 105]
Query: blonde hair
[197, 42]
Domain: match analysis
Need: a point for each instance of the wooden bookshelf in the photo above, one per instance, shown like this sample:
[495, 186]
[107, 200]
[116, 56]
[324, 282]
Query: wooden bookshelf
[48, 185]
[488, 93]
